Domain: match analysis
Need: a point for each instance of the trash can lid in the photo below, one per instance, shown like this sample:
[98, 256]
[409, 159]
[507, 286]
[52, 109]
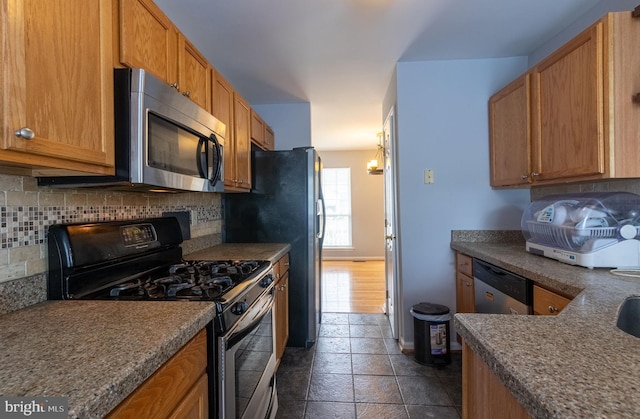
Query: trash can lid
[432, 309]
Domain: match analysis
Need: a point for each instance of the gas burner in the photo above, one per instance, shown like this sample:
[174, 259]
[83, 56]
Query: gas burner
[191, 280]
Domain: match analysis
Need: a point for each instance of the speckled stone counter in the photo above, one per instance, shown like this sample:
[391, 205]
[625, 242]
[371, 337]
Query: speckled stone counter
[255, 251]
[577, 364]
[94, 352]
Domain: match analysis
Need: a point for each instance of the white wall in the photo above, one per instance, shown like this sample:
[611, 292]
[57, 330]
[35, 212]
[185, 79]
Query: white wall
[367, 205]
[291, 123]
[443, 125]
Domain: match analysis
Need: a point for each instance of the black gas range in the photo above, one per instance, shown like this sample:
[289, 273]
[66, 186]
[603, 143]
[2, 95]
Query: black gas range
[142, 260]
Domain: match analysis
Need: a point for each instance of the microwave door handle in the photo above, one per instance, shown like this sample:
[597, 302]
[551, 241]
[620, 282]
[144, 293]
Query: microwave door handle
[217, 161]
[200, 156]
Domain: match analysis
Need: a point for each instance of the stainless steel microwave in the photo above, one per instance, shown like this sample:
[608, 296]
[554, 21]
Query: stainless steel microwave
[163, 141]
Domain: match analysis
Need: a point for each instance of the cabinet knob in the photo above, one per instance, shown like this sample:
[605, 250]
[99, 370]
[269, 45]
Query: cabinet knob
[26, 133]
[552, 309]
[535, 174]
[187, 93]
[524, 177]
[286, 264]
[175, 85]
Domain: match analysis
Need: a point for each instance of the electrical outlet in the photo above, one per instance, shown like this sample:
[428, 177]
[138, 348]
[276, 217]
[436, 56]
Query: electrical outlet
[428, 176]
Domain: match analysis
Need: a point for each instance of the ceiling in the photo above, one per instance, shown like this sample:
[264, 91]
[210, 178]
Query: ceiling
[339, 55]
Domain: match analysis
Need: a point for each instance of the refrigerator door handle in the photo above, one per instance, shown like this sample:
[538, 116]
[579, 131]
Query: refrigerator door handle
[321, 218]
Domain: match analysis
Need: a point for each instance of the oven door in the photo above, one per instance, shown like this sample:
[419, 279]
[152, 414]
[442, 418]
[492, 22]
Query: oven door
[246, 364]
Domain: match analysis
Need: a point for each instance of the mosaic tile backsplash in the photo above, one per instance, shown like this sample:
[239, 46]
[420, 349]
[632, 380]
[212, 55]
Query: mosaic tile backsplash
[26, 212]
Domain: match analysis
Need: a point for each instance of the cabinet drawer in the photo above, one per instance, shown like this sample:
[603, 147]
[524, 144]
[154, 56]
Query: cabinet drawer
[546, 302]
[464, 264]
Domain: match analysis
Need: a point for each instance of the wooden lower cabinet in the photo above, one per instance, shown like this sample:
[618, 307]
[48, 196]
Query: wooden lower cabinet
[178, 389]
[483, 394]
[281, 272]
[547, 303]
[465, 290]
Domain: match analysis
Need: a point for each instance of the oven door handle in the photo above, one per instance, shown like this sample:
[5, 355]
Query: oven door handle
[237, 335]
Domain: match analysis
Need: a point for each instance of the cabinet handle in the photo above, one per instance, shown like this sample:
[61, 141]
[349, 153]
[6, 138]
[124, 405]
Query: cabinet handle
[26, 133]
[187, 93]
[552, 309]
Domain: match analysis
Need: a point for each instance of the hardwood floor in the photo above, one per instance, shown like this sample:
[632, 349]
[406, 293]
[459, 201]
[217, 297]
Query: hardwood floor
[353, 287]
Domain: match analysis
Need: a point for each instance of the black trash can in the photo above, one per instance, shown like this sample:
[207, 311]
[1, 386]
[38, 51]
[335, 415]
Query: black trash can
[431, 334]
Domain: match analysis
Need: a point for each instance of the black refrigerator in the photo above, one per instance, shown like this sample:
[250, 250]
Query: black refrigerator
[285, 205]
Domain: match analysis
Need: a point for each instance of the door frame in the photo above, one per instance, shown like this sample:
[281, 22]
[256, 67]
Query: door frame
[392, 257]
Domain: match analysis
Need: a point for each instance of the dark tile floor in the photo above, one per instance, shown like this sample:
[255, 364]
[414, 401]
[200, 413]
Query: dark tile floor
[356, 370]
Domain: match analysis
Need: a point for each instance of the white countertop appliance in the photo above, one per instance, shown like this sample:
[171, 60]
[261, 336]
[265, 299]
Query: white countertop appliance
[591, 229]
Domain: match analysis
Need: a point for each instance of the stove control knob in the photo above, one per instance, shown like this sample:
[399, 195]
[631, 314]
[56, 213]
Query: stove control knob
[239, 308]
[266, 281]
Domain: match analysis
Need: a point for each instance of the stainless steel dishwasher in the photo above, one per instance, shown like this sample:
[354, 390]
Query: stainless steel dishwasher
[499, 291]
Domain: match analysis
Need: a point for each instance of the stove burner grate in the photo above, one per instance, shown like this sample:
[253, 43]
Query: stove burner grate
[189, 280]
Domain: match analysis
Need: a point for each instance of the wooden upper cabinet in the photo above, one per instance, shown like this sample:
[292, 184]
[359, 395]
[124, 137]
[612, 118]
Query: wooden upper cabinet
[510, 133]
[257, 129]
[57, 86]
[222, 104]
[242, 138]
[194, 74]
[584, 123]
[569, 138]
[148, 39]
[269, 138]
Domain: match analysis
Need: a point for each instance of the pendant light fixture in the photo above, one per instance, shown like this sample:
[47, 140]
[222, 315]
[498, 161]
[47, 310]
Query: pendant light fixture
[372, 165]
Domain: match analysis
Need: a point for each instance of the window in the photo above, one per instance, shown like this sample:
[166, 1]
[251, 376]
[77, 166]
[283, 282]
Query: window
[336, 187]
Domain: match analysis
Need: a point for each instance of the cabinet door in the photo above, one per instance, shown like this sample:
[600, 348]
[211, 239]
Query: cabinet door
[568, 109]
[465, 297]
[510, 133]
[148, 39]
[222, 108]
[57, 85]
[483, 395]
[269, 138]
[194, 77]
[177, 384]
[195, 404]
[257, 129]
[242, 125]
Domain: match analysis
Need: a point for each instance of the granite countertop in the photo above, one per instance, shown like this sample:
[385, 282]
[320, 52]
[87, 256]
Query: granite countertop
[93, 352]
[574, 365]
[97, 352]
[256, 251]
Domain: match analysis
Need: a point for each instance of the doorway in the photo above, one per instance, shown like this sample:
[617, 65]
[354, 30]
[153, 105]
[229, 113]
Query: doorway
[353, 286]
